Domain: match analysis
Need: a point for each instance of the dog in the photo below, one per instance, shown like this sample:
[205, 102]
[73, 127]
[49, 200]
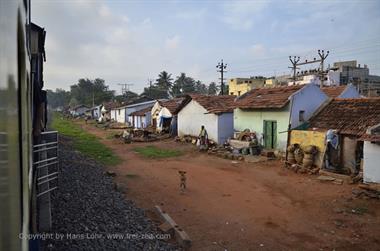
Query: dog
[182, 184]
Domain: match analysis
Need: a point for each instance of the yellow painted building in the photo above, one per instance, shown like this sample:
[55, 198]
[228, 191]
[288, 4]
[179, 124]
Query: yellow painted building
[271, 82]
[239, 86]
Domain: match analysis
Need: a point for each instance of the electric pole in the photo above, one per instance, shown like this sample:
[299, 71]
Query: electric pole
[150, 81]
[323, 56]
[294, 62]
[125, 88]
[222, 69]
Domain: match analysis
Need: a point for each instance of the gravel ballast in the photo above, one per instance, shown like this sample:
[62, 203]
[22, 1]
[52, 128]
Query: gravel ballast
[89, 214]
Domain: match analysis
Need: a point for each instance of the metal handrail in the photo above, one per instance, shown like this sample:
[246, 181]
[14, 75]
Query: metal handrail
[45, 160]
[48, 180]
[43, 177]
[46, 149]
[47, 191]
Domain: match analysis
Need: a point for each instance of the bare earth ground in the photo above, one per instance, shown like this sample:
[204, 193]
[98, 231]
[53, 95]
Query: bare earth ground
[246, 206]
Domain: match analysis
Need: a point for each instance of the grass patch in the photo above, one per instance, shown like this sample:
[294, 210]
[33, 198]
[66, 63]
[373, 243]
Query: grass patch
[84, 142]
[157, 153]
[132, 176]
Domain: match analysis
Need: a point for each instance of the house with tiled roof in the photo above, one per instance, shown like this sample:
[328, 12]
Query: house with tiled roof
[141, 118]
[350, 119]
[214, 112]
[122, 113]
[341, 91]
[272, 112]
[164, 113]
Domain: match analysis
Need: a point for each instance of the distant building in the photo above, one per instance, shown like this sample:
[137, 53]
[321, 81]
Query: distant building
[122, 113]
[164, 113]
[79, 110]
[141, 119]
[351, 72]
[239, 86]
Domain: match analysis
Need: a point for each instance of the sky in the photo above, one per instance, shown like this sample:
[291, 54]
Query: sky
[129, 42]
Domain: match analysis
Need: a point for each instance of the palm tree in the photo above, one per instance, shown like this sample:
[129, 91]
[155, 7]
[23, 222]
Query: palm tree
[164, 80]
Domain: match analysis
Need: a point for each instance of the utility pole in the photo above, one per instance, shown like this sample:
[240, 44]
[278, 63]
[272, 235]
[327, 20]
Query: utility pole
[294, 62]
[323, 56]
[150, 81]
[125, 88]
[221, 68]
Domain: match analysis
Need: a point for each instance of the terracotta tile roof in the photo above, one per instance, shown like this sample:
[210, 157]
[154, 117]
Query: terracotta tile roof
[349, 116]
[370, 137]
[111, 105]
[173, 105]
[275, 97]
[141, 112]
[215, 104]
[333, 91]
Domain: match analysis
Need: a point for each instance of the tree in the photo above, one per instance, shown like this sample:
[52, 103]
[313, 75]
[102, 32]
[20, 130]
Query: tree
[88, 91]
[212, 89]
[58, 98]
[183, 85]
[155, 92]
[164, 80]
[200, 87]
[127, 96]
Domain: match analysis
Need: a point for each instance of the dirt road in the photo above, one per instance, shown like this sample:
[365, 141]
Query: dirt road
[247, 206]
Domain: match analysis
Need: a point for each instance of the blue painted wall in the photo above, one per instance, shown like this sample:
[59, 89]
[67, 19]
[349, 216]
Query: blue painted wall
[225, 126]
[308, 99]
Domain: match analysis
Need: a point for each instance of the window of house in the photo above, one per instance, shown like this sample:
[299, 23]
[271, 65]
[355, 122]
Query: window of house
[301, 116]
[239, 93]
[231, 93]
[119, 111]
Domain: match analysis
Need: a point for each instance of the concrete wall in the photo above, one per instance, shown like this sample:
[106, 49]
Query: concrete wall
[308, 99]
[371, 160]
[348, 159]
[225, 126]
[254, 120]
[192, 117]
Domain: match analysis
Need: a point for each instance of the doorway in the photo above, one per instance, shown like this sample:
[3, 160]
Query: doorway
[270, 134]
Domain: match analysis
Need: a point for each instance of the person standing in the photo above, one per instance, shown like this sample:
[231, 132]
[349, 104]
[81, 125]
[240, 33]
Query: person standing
[203, 136]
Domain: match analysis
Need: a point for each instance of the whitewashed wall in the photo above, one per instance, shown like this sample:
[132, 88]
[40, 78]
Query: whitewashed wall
[371, 167]
[192, 117]
[118, 115]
